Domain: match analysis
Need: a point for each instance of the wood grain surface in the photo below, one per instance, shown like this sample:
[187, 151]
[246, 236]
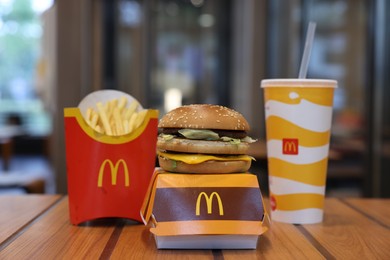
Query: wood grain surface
[38, 227]
[18, 211]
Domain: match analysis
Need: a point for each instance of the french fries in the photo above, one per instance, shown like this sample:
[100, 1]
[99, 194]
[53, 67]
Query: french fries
[115, 117]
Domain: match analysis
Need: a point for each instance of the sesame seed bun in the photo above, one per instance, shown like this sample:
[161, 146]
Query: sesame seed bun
[204, 116]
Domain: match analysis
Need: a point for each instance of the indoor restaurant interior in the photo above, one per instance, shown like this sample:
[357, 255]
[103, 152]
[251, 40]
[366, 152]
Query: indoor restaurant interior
[118, 139]
[168, 53]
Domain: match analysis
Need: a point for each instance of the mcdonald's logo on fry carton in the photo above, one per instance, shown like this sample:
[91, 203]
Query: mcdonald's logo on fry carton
[108, 175]
[209, 203]
[114, 172]
[290, 146]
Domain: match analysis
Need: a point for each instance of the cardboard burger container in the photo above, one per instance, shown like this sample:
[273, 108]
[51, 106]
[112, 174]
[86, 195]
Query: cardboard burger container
[108, 176]
[205, 211]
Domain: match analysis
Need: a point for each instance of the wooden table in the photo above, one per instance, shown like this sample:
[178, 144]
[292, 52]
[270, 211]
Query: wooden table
[38, 227]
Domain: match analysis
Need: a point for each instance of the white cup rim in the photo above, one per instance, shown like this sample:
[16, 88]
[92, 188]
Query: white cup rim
[312, 83]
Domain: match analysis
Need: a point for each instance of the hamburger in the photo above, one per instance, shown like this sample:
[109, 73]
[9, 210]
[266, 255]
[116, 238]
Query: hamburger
[203, 138]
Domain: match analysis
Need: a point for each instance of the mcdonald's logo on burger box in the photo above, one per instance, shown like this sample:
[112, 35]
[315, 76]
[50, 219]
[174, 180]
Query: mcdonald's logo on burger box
[108, 176]
[209, 202]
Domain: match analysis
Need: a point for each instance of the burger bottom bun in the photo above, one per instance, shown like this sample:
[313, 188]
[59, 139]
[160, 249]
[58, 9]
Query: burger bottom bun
[204, 167]
[201, 146]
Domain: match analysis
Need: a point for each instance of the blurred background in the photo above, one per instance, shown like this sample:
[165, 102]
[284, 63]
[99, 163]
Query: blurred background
[172, 52]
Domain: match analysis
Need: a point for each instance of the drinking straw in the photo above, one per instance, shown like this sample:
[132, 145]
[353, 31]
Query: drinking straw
[307, 50]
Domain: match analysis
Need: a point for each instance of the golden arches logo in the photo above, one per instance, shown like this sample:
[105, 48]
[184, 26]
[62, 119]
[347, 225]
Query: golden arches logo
[209, 203]
[114, 172]
[290, 146]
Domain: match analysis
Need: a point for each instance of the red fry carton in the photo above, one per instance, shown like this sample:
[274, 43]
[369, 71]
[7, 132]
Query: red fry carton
[108, 176]
[205, 211]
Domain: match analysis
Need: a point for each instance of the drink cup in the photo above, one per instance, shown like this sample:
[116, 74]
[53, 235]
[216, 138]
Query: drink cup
[298, 116]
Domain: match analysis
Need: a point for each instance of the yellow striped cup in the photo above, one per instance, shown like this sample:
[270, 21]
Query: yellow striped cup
[298, 114]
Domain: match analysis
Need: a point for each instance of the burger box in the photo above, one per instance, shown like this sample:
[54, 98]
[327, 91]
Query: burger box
[108, 176]
[204, 211]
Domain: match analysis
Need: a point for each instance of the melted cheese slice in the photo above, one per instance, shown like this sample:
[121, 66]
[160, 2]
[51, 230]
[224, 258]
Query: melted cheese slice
[199, 158]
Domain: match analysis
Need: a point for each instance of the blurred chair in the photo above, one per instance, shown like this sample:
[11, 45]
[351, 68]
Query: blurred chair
[35, 186]
[23, 183]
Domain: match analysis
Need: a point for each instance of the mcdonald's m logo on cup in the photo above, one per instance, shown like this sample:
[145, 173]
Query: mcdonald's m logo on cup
[114, 172]
[290, 146]
[209, 203]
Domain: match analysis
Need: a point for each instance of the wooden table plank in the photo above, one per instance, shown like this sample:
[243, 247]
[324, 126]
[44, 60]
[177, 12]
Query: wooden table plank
[352, 228]
[19, 211]
[52, 236]
[348, 234]
[378, 209]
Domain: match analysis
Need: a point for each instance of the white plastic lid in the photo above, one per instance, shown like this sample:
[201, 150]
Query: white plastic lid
[312, 83]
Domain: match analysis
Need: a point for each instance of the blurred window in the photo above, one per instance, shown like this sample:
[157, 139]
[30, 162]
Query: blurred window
[21, 65]
[183, 47]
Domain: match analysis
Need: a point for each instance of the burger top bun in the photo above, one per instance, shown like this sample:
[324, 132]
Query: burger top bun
[204, 116]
